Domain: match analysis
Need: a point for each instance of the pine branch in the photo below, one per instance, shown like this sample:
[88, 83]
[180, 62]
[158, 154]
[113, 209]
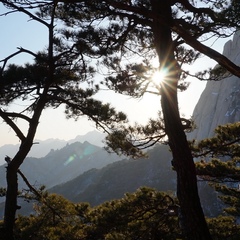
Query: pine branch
[38, 195]
[10, 122]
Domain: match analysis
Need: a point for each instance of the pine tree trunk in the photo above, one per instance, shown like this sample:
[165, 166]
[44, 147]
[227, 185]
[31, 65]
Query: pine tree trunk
[13, 166]
[12, 170]
[11, 201]
[192, 218]
[193, 222]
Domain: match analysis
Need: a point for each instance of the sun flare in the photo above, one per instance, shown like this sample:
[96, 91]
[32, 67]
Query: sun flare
[158, 77]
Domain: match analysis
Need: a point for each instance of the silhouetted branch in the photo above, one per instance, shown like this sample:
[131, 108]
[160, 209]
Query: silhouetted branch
[10, 122]
[39, 196]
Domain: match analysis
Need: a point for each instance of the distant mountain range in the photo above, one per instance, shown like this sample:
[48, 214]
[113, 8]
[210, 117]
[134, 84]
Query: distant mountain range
[62, 165]
[83, 172]
[114, 180]
[42, 148]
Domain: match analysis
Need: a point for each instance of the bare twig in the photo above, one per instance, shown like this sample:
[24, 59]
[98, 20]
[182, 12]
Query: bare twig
[40, 197]
[10, 122]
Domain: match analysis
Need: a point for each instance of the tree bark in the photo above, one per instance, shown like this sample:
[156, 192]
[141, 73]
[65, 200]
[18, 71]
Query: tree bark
[11, 202]
[12, 189]
[192, 219]
[12, 169]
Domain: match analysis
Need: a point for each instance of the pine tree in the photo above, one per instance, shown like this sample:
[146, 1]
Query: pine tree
[173, 31]
[145, 214]
[219, 165]
[220, 156]
[59, 75]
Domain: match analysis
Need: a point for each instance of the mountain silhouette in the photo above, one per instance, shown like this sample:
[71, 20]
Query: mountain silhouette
[42, 148]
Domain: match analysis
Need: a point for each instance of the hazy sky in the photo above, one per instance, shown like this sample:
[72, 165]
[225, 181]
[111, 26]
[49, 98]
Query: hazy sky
[17, 31]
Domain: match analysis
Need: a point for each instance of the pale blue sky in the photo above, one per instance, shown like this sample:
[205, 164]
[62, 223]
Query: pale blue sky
[18, 31]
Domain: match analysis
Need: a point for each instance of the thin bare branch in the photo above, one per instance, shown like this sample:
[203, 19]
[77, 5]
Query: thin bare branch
[22, 9]
[21, 50]
[10, 122]
[37, 194]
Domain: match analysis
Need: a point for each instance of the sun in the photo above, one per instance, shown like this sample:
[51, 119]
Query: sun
[158, 76]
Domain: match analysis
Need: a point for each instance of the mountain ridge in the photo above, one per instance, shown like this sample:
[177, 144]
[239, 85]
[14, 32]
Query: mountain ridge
[113, 180]
[42, 147]
[63, 164]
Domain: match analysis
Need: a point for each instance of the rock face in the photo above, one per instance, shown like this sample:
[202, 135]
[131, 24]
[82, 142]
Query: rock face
[220, 101]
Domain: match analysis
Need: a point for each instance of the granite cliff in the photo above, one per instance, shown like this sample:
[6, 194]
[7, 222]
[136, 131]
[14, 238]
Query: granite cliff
[219, 103]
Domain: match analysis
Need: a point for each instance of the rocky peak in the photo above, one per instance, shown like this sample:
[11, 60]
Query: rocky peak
[219, 103]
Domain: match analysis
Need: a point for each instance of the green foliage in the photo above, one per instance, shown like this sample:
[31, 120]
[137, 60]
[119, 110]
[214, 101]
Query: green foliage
[131, 140]
[145, 214]
[224, 145]
[231, 197]
[219, 169]
[63, 73]
[222, 166]
[2, 192]
[231, 13]
[224, 227]
[62, 221]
